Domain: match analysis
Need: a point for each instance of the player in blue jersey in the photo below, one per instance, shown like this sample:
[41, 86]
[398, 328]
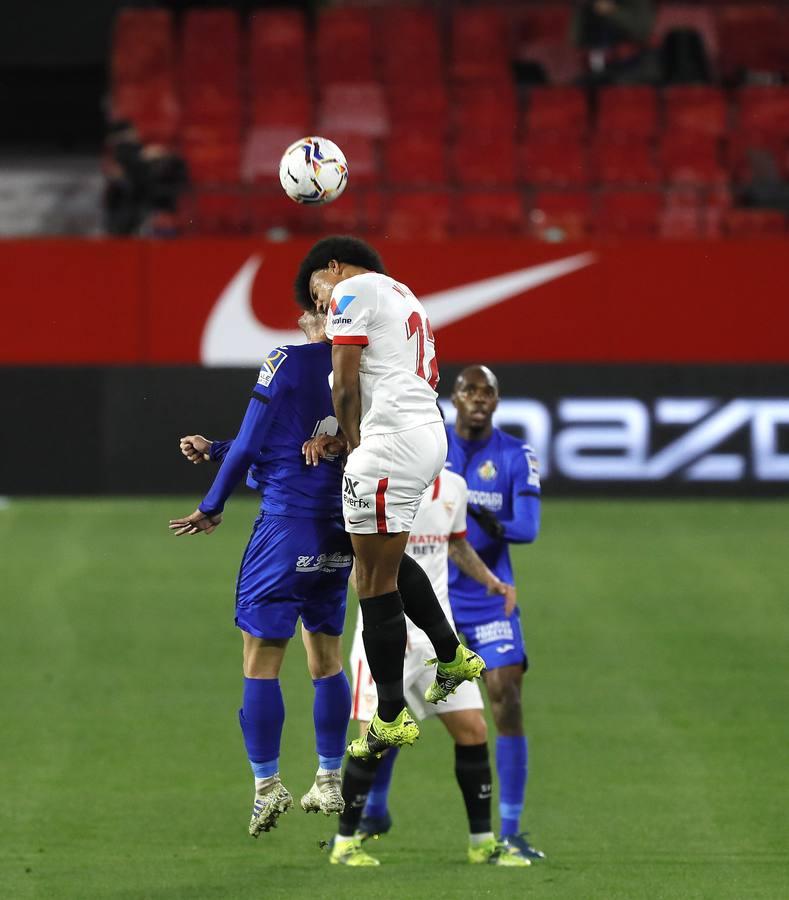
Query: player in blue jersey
[296, 564]
[504, 508]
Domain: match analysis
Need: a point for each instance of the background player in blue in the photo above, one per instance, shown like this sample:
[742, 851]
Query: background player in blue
[504, 508]
[296, 564]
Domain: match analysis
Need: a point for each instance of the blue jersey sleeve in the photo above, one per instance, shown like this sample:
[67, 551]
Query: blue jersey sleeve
[218, 450]
[524, 526]
[272, 386]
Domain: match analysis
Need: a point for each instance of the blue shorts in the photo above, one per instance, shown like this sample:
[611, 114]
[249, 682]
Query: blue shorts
[293, 567]
[499, 642]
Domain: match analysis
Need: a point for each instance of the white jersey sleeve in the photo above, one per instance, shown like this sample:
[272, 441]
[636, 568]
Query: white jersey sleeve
[459, 527]
[398, 371]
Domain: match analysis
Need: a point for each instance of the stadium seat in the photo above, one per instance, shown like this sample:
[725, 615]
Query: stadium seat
[488, 212]
[629, 162]
[681, 216]
[424, 215]
[276, 106]
[414, 159]
[413, 58]
[358, 108]
[480, 46]
[263, 151]
[764, 110]
[542, 31]
[695, 110]
[744, 223]
[484, 159]
[274, 210]
[558, 162]
[218, 212]
[277, 48]
[152, 106]
[691, 159]
[344, 46]
[484, 107]
[671, 16]
[628, 213]
[362, 155]
[561, 215]
[557, 110]
[203, 31]
[424, 110]
[212, 160]
[627, 111]
[753, 38]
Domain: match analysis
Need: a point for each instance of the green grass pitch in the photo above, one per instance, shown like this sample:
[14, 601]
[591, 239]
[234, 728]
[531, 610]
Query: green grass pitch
[656, 709]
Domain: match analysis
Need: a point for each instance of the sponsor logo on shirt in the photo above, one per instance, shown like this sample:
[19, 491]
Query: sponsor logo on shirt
[341, 321]
[490, 499]
[488, 471]
[534, 466]
[325, 562]
[270, 365]
[338, 307]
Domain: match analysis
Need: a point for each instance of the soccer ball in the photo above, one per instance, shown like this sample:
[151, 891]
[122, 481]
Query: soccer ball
[313, 170]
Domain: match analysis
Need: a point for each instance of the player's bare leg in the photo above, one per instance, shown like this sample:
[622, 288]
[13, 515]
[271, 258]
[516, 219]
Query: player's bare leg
[324, 661]
[504, 686]
[261, 720]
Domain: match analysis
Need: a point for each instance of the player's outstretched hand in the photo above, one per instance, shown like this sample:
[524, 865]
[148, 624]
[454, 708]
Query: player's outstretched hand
[324, 446]
[195, 448]
[486, 521]
[195, 524]
[507, 591]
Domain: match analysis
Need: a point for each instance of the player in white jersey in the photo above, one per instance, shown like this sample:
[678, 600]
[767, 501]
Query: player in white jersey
[384, 373]
[438, 532]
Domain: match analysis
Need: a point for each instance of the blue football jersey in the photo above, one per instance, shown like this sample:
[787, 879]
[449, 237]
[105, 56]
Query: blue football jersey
[291, 402]
[502, 475]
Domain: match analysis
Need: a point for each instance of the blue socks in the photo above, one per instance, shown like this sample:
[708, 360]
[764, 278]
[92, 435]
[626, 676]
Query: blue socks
[377, 804]
[331, 711]
[262, 716]
[511, 767]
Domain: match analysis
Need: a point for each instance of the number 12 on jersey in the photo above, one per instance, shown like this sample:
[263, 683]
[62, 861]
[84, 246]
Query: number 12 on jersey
[420, 327]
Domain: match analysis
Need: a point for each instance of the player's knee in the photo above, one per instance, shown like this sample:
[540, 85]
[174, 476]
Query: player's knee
[475, 731]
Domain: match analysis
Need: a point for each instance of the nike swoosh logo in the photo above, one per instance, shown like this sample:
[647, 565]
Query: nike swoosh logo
[233, 335]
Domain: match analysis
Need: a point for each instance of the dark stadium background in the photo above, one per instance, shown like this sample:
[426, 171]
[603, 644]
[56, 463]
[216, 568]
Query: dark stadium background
[637, 193]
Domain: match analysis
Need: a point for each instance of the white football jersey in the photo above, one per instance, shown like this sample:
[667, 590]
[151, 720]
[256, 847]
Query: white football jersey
[398, 373]
[440, 518]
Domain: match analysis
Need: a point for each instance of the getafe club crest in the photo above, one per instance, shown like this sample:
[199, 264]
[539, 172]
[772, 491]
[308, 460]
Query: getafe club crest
[487, 471]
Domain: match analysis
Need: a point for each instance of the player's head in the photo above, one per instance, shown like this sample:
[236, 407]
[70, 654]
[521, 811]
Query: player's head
[313, 324]
[330, 261]
[475, 397]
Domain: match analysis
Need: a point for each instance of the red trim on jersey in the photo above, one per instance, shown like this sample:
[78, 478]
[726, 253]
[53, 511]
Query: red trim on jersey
[380, 505]
[457, 535]
[436, 487]
[358, 339]
[355, 710]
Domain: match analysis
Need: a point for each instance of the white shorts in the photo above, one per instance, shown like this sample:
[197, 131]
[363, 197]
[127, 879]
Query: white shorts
[417, 677]
[387, 475]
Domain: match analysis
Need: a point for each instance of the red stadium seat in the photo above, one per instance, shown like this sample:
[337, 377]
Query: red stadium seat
[542, 37]
[561, 216]
[205, 30]
[696, 109]
[562, 162]
[143, 45]
[480, 49]
[152, 106]
[753, 37]
[213, 160]
[218, 212]
[672, 16]
[557, 110]
[764, 110]
[277, 47]
[423, 215]
[743, 223]
[362, 156]
[628, 213]
[344, 45]
[277, 106]
[484, 159]
[627, 111]
[274, 210]
[691, 159]
[484, 107]
[414, 159]
[413, 56]
[263, 151]
[488, 212]
[424, 110]
[629, 162]
[353, 109]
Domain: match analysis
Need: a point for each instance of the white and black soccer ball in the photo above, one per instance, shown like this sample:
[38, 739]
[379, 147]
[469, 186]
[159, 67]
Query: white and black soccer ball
[313, 170]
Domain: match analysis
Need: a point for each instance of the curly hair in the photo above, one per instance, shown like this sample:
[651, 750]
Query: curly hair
[344, 249]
